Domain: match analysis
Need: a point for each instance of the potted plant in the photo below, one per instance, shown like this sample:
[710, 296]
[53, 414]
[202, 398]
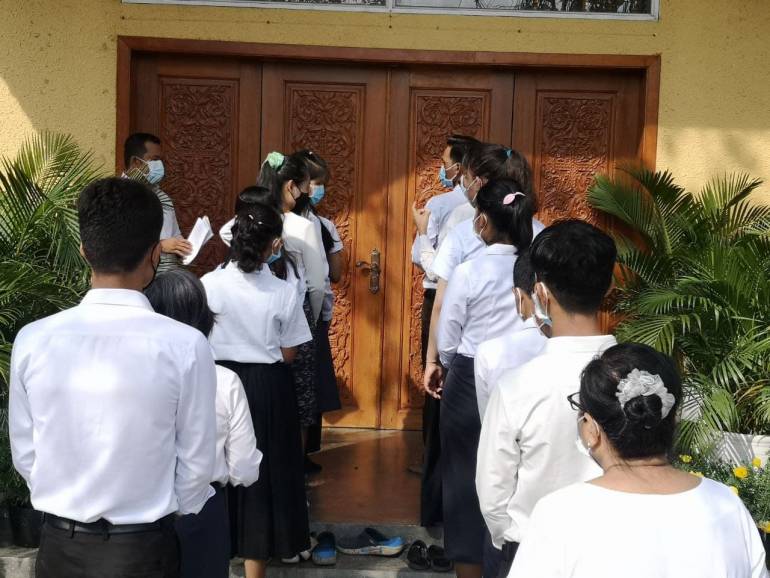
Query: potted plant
[41, 271]
[694, 282]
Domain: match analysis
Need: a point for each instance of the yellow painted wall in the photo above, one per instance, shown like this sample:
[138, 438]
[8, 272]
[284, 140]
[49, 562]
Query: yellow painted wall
[58, 63]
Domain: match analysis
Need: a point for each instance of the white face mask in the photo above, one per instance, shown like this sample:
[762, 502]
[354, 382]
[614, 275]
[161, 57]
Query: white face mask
[541, 313]
[478, 233]
[519, 300]
[579, 441]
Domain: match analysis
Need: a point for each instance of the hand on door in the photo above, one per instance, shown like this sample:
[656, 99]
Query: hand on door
[433, 379]
[420, 217]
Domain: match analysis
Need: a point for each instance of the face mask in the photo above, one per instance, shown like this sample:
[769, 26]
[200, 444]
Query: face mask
[274, 257]
[579, 442]
[445, 181]
[517, 296]
[154, 274]
[155, 172]
[317, 194]
[478, 233]
[540, 312]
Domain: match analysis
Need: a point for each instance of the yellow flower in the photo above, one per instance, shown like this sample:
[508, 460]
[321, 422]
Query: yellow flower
[765, 526]
[700, 475]
[734, 490]
[685, 459]
[741, 472]
[756, 462]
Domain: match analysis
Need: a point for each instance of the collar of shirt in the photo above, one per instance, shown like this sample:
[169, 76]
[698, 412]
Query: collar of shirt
[122, 297]
[233, 266]
[582, 344]
[500, 249]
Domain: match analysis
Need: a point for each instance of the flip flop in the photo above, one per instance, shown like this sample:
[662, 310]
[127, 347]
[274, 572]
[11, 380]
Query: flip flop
[417, 557]
[370, 542]
[325, 553]
[438, 560]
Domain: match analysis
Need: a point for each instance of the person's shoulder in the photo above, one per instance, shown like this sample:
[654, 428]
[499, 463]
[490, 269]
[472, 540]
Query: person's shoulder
[562, 502]
[174, 331]
[718, 493]
[517, 380]
[227, 379]
[296, 221]
[45, 326]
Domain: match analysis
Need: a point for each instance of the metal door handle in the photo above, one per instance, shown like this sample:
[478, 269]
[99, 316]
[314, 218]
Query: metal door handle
[374, 270]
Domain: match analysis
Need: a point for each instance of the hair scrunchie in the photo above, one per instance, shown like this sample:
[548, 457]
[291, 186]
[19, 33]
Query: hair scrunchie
[275, 160]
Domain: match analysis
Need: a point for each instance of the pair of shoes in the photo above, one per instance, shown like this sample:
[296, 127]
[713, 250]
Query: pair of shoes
[325, 553]
[422, 557]
[304, 555]
[311, 467]
[370, 542]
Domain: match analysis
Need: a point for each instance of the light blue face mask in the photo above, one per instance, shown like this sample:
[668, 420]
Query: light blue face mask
[274, 257]
[446, 182]
[155, 172]
[317, 194]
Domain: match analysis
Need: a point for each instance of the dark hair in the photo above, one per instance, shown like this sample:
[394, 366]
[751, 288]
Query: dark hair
[293, 168]
[638, 430]
[136, 146]
[523, 274]
[513, 220]
[253, 232]
[318, 169]
[254, 195]
[575, 260]
[458, 146]
[180, 295]
[120, 222]
[493, 162]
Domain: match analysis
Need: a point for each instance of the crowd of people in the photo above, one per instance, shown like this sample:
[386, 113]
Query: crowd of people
[163, 424]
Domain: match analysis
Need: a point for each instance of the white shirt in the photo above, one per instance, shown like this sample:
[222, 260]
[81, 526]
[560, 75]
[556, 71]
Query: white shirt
[478, 303]
[461, 244]
[508, 351]
[111, 411]
[337, 246]
[586, 531]
[170, 228]
[238, 458]
[527, 448]
[304, 243]
[257, 315]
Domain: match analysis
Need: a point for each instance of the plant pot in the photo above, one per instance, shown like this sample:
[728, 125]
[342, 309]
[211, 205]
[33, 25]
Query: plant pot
[740, 449]
[6, 531]
[27, 524]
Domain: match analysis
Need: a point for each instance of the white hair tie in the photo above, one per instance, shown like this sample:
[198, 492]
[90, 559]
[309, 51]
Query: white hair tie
[641, 383]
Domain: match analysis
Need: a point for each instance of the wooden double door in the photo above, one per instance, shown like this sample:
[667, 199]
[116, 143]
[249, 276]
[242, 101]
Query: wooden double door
[382, 130]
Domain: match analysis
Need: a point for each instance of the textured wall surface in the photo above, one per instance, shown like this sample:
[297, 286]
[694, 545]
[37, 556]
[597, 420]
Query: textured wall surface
[58, 63]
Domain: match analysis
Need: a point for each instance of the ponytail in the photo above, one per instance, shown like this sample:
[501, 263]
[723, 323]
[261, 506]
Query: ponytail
[509, 209]
[254, 231]
[277, 169]
[493, 162]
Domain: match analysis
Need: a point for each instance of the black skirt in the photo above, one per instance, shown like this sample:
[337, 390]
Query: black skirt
[303, 371]
[464, 526]
[269, 519]
[326, 379]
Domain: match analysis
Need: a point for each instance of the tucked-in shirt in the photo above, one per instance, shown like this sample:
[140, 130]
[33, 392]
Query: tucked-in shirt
[478, 303]
[586, 531]
[508, 351]
[112, 411]
[528, 438]
[462, 244]
[304, 243]
[337, 246]
[257, 315]
[238, 458]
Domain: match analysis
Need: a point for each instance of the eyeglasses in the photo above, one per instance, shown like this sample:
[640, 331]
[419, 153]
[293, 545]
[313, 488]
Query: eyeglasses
[574, 402]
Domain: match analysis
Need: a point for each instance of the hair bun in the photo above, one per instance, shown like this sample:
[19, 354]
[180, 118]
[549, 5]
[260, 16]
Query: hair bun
[644, 411]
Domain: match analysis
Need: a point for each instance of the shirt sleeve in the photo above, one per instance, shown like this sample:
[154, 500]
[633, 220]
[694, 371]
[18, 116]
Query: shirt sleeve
[416, 250]
[448, 256]
[335, 235]
[542, 553]
[294, 329]
[196, 431]
[20, 423]
[481, 372]
[315, 270]
[497, 467]
[454, 310]
[226, 232]
[241, 453]
[175, 230]
[433, 227]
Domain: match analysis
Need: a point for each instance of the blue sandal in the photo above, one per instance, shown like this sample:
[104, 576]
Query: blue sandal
[325, 553]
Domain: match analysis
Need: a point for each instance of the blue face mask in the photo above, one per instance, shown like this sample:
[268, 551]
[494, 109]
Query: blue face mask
[274, 257]
[317, 194]
[446, 182]
[155, 172]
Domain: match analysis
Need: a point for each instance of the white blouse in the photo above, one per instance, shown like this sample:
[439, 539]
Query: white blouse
[586, 531]
[478, 303]
[257, 315]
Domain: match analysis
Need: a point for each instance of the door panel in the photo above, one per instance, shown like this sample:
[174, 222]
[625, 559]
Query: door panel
[341, 114]
[426, 108]
[206, 115]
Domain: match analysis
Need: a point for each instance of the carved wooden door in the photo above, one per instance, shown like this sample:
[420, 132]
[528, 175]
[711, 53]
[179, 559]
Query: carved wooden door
[426, 107]
[206, 113]
[341, 113]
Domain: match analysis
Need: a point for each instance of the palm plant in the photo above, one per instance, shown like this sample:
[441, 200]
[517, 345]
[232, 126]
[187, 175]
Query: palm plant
[694, 283]
[41, 270]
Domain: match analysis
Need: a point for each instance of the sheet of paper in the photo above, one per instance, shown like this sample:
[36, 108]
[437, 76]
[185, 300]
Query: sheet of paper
[199, 236]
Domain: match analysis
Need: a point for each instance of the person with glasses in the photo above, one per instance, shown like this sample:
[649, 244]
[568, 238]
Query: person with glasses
[641, 517]
[527, 446]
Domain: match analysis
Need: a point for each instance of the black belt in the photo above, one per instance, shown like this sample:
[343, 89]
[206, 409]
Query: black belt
[103, 527]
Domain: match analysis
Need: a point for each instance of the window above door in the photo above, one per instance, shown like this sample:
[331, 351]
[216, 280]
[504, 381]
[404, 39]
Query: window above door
[591, 9]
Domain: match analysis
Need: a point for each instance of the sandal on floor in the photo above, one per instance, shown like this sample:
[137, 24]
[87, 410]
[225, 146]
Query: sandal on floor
[417, 557]
[325, 553]
[438, 560]
[370, 542]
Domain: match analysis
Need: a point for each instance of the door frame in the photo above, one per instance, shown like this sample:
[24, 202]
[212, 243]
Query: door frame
[648, 65]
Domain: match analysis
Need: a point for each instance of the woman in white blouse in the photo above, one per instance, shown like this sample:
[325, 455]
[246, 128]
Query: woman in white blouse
[643, 518]
[479, 304]
[204, 539]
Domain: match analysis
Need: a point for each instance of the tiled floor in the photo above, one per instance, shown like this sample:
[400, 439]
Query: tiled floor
[365, 477]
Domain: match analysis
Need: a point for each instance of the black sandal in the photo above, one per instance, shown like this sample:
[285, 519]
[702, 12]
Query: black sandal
[438, 560]
[417, 557]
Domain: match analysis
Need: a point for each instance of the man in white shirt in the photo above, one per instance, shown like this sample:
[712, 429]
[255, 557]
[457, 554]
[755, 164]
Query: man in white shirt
[111, 409]
[527, 448]
[143, 154]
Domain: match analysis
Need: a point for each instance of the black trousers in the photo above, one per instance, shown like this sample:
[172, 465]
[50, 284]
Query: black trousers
[204, 540]
[153, 554]
[506, 560]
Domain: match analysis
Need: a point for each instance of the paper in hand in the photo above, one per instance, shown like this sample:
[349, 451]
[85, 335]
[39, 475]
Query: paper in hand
[199, 236]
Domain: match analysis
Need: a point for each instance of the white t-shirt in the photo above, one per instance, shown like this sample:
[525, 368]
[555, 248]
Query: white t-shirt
[586, 531]
[257, 315]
